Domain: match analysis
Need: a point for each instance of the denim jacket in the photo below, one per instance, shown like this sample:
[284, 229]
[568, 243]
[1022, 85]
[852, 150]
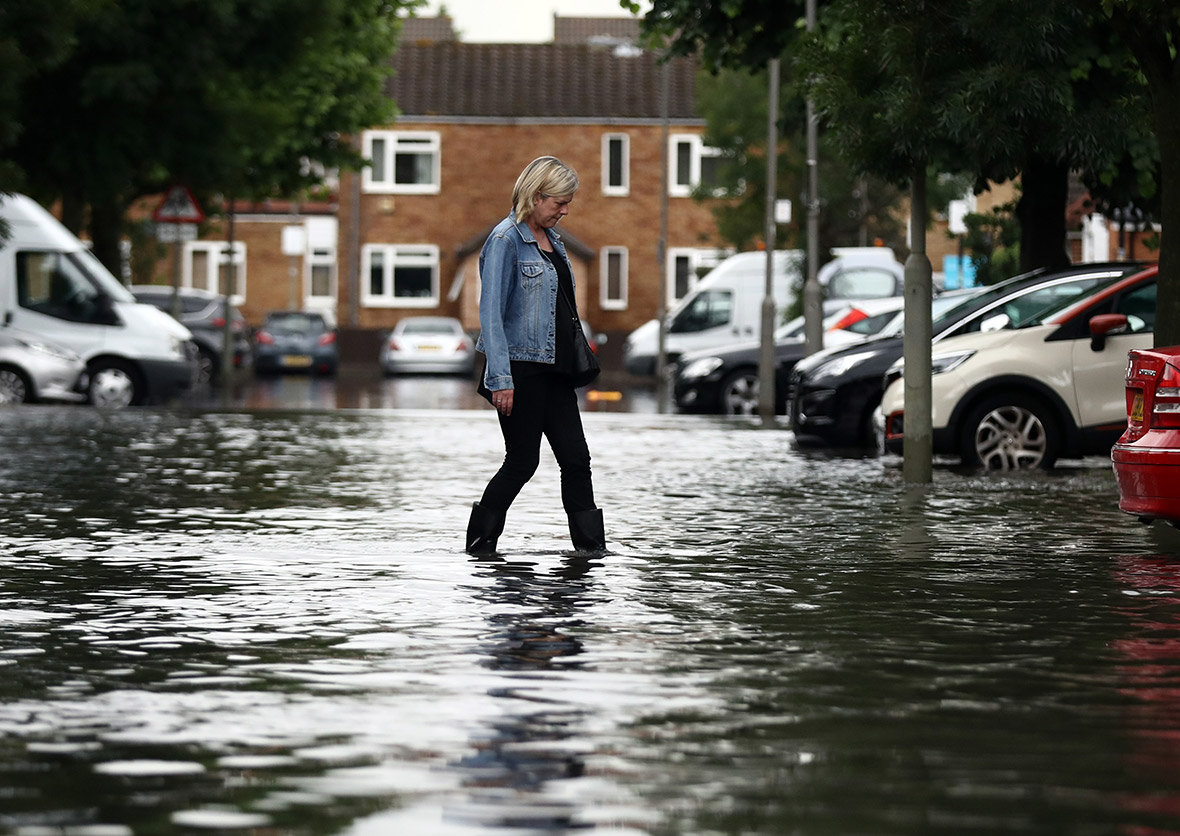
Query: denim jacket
[518, 300]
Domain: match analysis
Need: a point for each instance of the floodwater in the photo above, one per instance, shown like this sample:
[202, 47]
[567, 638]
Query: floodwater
[261, 621]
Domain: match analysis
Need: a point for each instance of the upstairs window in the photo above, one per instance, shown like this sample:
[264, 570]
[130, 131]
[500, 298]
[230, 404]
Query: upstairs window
[693, 165]
[401, 162]
[613, 281]
[616, 164]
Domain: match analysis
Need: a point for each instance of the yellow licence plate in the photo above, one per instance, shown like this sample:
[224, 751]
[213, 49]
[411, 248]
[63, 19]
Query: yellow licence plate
[296, 361]
[1137, 407]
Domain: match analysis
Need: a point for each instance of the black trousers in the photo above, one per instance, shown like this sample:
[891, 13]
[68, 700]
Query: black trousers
[542, 405]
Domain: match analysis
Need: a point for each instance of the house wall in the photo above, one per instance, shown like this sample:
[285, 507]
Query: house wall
[479, 166]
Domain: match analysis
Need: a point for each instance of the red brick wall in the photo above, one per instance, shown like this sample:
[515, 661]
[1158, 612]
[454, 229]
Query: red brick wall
[480, 164]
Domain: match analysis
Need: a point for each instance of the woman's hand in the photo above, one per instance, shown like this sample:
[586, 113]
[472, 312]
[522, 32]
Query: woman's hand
[502, 401]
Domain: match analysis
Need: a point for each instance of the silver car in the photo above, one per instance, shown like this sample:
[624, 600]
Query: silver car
[431, 344]
[33, 369]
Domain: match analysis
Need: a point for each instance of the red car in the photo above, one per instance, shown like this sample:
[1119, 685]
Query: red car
[1147, 456]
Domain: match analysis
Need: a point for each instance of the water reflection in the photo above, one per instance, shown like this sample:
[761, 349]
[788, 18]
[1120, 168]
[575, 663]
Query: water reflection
[533, 619]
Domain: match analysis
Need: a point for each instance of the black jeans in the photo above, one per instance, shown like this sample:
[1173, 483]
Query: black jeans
[543, 404]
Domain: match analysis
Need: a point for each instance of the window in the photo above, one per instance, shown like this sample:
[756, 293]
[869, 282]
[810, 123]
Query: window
[693, 164]
[1139, 307]
[685, 266]
[709, 309]
[613, 280]
[320, 262]
[60, 285]
[401, 276]
[321, 269]
[401, 162]
[209, 266]
[616, 164]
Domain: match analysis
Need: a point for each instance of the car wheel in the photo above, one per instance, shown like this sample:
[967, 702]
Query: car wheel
[739, 393]
[114, 385]
[1011, 432]
[14, 388]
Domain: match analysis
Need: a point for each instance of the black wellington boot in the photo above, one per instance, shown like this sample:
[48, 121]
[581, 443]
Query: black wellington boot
[483, 529]
[586, 530]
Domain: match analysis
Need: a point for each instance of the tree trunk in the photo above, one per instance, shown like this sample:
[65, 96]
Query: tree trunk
[73, 212]
[1167, 130]
[1041, 212]
[106, 232]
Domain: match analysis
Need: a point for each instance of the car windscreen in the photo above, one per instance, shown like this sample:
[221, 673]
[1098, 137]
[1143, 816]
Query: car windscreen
[428, 327]
[295, 324]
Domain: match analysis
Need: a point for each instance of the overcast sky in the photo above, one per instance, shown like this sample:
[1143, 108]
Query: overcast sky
[517, 21]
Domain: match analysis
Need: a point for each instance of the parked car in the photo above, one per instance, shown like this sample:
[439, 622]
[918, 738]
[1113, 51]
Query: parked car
[203, 313]
[834, 393]
[34, 369]
[53, 287]
[725, 380]
[296, 341]
[726, 305]
[1050, 388]
[1146, 458]
[432, 344]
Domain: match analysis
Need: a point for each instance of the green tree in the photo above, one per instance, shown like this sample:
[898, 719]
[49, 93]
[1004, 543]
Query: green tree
[1151, 29]
[241, 98]
[856, 209]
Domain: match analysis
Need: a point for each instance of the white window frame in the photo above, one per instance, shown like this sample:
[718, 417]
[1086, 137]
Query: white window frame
[698, 151]
[320, 240]
[698, 258]
[422, 141]
[216, 255]
[616, 189]
[604, 300]
[417, 255]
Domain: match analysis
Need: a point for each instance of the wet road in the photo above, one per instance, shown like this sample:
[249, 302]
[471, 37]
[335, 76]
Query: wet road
[260, 620]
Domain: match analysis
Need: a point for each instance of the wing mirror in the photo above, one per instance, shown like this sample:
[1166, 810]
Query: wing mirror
[1103, 325]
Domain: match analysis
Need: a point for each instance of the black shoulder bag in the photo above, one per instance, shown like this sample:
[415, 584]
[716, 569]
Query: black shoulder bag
[585, 364]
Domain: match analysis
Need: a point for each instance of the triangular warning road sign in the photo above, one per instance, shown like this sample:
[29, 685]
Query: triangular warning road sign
[178, 207]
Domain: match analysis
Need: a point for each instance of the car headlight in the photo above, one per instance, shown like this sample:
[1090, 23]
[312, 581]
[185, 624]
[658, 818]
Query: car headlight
[703, 367]
[842, 365]
[939, 363]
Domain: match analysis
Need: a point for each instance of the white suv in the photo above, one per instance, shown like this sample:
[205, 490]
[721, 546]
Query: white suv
[1022, 398]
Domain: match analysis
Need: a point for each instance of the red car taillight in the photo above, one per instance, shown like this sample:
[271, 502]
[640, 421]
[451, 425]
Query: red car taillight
[264, 338]
[1165, 407]
[327, 339]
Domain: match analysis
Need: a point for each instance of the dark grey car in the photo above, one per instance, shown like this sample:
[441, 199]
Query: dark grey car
[203, 313]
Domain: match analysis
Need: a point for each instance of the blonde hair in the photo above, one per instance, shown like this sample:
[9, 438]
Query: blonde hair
[544, 176]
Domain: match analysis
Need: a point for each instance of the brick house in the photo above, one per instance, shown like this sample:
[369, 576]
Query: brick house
[471, 117]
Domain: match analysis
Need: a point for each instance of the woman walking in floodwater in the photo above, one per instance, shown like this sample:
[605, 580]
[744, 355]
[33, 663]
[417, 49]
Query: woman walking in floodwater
[528, 317]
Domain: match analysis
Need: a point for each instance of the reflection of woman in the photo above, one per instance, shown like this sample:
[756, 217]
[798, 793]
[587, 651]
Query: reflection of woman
[527, 317]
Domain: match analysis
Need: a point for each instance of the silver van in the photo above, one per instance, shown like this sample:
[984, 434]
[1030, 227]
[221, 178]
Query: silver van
[53, 287]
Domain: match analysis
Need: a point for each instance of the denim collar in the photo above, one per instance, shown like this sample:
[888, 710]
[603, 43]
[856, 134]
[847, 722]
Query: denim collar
[527, 234]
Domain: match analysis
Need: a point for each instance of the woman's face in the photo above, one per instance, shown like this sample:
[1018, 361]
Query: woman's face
[548, 210]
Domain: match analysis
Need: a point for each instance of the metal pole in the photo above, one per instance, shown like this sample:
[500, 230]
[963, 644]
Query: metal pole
[662, 250]
[918, 444]
[230, 283]
[813, 296]
[766, 393]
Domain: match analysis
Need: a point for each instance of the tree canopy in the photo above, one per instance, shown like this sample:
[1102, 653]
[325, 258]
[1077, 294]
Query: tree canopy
[996, 88]
[116, 99]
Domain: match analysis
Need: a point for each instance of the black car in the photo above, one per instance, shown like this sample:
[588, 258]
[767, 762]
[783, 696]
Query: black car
[203, 313]
[832, 394]
[725, 379]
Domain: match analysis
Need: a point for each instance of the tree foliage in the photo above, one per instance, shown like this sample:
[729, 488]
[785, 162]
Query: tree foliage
[230, 97]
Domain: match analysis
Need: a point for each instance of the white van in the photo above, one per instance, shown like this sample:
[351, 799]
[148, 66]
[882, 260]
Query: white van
[52, 286]
[725, 307]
